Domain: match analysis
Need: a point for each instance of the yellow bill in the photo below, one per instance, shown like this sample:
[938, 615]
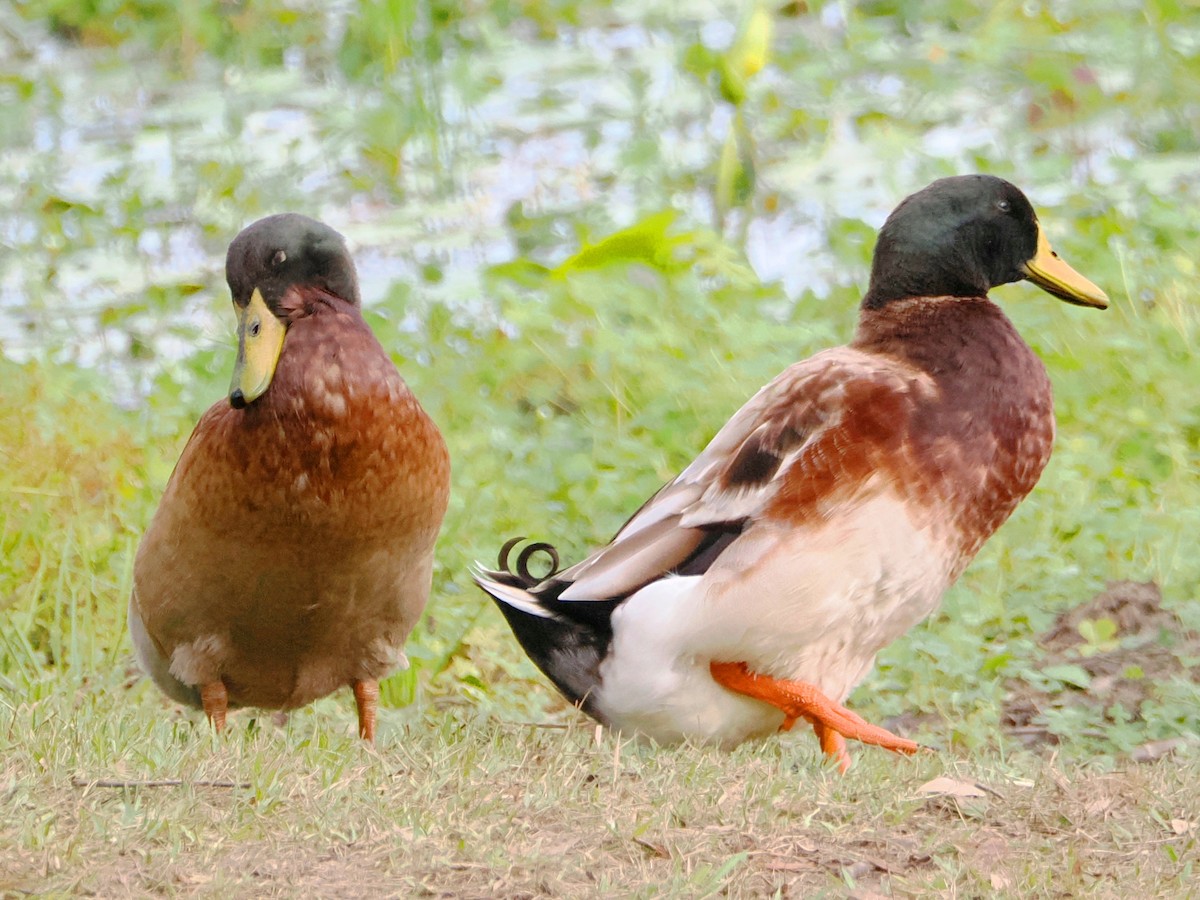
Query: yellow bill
[260, 341]
[1054, 276]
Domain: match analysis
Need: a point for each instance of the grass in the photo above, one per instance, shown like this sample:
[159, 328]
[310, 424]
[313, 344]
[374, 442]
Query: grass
[455, 803]
[487, 785]
[572, 374]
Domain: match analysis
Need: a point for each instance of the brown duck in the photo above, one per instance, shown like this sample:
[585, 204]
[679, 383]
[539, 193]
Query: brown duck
[830, 514]
[292, 551]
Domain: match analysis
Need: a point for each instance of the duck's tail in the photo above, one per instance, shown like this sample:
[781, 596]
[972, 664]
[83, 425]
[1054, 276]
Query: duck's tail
[567, 640]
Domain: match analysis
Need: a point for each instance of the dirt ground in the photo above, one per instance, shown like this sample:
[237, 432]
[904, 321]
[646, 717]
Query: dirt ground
[1143, 645]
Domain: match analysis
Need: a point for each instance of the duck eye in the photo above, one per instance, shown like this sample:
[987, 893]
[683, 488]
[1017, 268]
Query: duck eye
[279, 258]
[1004, 206]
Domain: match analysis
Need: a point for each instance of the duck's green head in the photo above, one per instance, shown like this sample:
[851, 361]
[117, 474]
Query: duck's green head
[963, 236]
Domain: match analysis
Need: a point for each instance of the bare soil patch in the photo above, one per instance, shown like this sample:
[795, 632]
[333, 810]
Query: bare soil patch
[1135, 646]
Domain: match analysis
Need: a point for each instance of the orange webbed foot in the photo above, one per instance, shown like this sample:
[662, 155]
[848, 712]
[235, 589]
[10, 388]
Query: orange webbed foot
[834, 746]
[832, 722]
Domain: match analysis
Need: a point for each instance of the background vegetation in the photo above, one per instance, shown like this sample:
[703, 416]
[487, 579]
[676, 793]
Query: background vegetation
[588, 231]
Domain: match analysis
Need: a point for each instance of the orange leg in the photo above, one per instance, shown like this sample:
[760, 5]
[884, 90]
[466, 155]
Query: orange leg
[834, 746]
[366, 695]
[215, 699]
[832, 722]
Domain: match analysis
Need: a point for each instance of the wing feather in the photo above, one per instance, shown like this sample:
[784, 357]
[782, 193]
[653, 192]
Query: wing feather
[771, 440]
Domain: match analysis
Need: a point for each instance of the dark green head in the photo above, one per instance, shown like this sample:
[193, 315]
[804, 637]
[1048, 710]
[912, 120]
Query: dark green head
[269, 267]
[289, 249]
[963, 236]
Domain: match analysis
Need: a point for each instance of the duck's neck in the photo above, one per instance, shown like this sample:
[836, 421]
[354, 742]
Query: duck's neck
[985, 434]
[962, 339]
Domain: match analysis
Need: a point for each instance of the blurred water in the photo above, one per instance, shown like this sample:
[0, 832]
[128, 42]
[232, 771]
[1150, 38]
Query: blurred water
[121, 182]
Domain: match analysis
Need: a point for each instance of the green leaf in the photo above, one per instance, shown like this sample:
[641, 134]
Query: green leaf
[995, 663]
[1069, 673]
[646, 242]
[735, 170]
[524, 272]
[1097, 631]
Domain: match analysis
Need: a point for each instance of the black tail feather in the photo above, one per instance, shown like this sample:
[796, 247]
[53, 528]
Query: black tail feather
[569, 653]
[522, 577]
[566, 640]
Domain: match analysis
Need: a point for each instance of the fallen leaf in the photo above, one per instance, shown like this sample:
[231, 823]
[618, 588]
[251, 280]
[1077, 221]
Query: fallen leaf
[1182, 826]
[944, 786]
[1153, 750]
[859, 869]
[654, 849]
[961, 798]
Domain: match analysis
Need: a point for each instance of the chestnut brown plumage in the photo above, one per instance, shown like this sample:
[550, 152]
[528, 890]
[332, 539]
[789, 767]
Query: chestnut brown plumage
[292, 551]
[829, 515]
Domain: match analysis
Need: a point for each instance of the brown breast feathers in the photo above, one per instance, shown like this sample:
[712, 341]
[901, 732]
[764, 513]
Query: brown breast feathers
[970, 450]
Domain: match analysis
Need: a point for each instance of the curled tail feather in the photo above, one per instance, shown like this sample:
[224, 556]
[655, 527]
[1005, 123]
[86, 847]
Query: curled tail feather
[521, 576]
[566, 640]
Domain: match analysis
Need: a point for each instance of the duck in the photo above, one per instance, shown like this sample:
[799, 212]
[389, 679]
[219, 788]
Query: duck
[291, 553]
[830, 514]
